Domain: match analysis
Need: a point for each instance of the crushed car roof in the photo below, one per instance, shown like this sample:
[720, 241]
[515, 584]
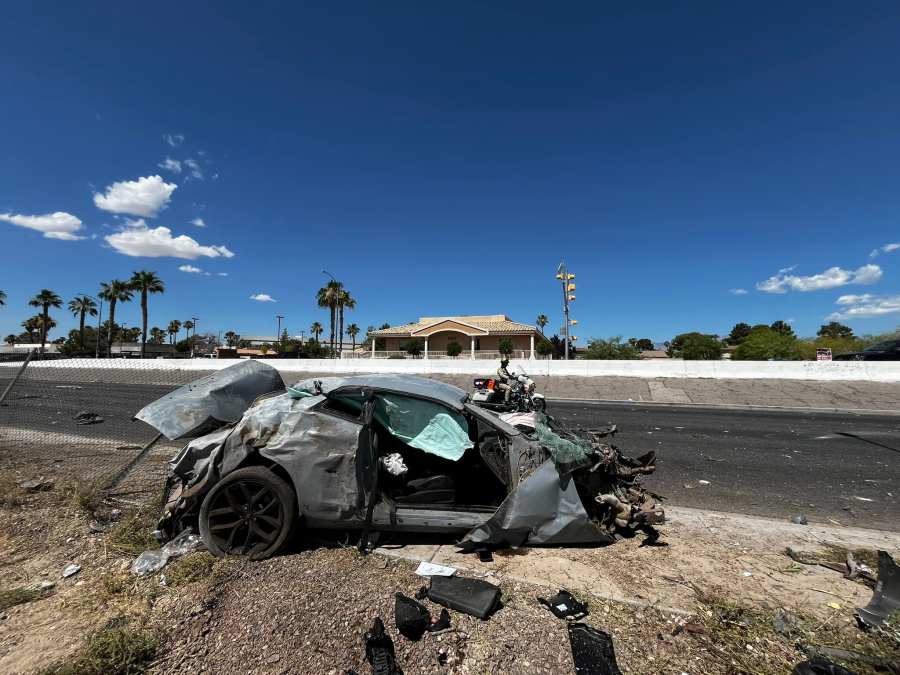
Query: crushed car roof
[410, 385]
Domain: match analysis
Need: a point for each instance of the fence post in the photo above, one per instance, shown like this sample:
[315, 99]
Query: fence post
[18, 375]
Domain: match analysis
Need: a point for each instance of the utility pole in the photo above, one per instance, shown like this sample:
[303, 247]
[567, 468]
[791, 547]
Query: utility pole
[279, 317]
[195, 320]
[563, 275]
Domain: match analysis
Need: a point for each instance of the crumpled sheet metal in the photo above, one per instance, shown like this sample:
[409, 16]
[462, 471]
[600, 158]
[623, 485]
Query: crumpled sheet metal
[886, 598]
[212, 401]
[452, 397]
[543, 509]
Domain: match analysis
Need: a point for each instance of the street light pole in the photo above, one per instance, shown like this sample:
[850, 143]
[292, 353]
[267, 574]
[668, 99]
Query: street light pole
[195, 320]
[562, 273]
[278, 317]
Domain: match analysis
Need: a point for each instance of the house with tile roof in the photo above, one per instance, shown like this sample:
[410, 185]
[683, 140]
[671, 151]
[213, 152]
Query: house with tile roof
[479, 337]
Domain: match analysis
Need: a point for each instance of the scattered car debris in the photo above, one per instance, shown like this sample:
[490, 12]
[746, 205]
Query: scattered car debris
[565, 606]
[427, 569]
[441, 623]
[702, 482]
[71, 570]
[68, 386]
[394, 465]
[819, 666]
[592, 651]
[886, 598]
[36, 485]
[86, 417]
[154, 560]
[475, 597]
[824, 653]
[380, 650]
[799, 520]
[412, 619]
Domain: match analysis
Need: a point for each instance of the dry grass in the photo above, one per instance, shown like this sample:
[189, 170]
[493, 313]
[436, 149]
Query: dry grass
[116, 649]
[193, 567]
[86, 496]
[134, 533]
[18, 596]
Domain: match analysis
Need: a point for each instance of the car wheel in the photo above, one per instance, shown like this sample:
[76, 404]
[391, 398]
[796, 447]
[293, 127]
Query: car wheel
[250, 512]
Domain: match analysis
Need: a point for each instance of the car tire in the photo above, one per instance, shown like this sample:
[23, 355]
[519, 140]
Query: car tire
[251, 512]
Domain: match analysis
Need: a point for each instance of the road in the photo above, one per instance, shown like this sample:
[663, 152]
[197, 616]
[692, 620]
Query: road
[776, 463]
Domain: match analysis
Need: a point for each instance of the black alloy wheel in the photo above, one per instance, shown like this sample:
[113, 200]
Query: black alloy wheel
[251, 512]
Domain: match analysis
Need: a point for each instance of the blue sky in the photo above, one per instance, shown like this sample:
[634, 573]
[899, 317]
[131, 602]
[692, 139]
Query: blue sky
[444, 160]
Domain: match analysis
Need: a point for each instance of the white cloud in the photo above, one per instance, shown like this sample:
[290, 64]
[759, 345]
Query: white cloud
[887, 248]
[198, 222]
[190, 269]
[137, 240]
[173, 139]
[738, 291]
[866, 306]
[58, 225]
[145, 196]
[223, 274]
[262, 297]
[194, 167]
[833, 277]
[170, 164]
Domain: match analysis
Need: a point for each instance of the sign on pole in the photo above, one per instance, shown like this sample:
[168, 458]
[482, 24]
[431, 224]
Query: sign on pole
[823, 354]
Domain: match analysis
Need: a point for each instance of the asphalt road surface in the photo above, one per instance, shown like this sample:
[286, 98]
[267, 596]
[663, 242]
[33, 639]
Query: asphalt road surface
[776, 463]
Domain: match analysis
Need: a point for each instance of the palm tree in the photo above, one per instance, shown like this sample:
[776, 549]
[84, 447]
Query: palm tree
[30, 325]
[45, 300]
[345, 300]
[352, 332]
[145, 282]
[187, 327]
[542, 321]
[327, 296]
[231, 338]
[113, 292]
[157, 334]
[80, 307]
[2, 298]
[316, 329]
[172, 330]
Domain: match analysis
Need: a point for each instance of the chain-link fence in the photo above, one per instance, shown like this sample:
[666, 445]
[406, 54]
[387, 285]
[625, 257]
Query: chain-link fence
[72, 420]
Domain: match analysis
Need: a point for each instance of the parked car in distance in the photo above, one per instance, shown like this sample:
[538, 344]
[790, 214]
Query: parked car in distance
[882, 351]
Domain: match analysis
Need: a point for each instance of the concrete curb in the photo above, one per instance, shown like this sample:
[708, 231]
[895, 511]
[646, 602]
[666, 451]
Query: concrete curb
[722, 406]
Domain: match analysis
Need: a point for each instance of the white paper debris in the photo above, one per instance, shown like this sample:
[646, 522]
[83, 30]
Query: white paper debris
[70, 570]
[427, 569]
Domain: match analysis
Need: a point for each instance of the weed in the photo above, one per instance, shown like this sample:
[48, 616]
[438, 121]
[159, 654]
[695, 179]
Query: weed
[17, 596]
[87, 496]
[134, 533]
[192, 567]
[113, 650]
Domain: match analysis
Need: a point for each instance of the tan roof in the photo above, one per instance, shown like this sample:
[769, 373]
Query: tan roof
[492, 324]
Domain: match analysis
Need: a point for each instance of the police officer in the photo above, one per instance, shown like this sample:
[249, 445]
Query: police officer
[503, 378]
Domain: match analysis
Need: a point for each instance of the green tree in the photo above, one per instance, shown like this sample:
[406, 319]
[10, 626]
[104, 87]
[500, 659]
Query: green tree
[454, 349]
[82, 306]
[765, 344]
[783, 327]
[345, 301]
[738, 334]
[114, 292]
[352, 332]
[614, 348]
[834, 329]
[10, 340]
[544, 347]
[157, 335]
[316, 329]
[505, 347]
[413, 347]
[145, 283]
[327, 297]
[31, 325]
[45, 300]
[699, 347]
[173, 329]
[231, 338]
[644, 344]
[542, 321]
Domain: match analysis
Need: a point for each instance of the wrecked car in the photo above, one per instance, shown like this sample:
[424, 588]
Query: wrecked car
[384, 453]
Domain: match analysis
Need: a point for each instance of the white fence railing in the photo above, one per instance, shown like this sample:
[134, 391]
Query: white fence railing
[465, 354]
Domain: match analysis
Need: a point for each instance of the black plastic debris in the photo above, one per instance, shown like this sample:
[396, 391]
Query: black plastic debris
[85, 417]
[799, 520]
[441, 623]
[471, 596]
[565, 606]
[592, 650]
[380, 650]
[412, 619]
[422, 593]
[886, 598]
[820, 666]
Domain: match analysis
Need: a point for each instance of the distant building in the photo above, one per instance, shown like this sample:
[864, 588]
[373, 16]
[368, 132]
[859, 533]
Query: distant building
[479, 336]
[133, 349]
